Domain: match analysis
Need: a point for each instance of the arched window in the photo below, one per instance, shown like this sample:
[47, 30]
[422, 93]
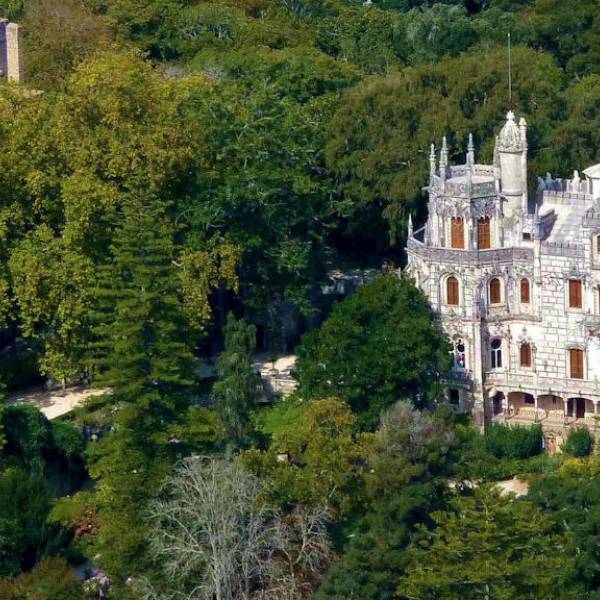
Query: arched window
[576, 363]
[526, 355]
[459, 354]
[457, 233]
[452, 293]
[525, 292]
[483, 233]
[496, 353]
[495, 291]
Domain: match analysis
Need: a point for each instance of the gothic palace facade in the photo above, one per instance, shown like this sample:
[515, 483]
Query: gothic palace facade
[516, 284]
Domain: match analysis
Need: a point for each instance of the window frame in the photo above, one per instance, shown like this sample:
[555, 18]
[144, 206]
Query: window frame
[496, 354]
[452, 279]
[579, 363]
[484, 233]
[525, 284]
[491, 291]
[575, 294]
[529, 355]
[457, 233]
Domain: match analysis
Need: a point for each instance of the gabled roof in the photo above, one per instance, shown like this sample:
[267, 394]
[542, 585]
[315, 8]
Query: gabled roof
[593, 172]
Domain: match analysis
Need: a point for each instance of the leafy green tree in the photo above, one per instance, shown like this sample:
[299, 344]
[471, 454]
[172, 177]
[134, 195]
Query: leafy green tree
[377, 346]
[317, 459]
[506, 441]
[579, 442]
[28, 435]
[379, 136]
[404, 481]
[238, 388]
[51, 579]
[489, 545]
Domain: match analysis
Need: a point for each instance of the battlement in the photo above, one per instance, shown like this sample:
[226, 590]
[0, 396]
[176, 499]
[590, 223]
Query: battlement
[570, 189]
[11, 51]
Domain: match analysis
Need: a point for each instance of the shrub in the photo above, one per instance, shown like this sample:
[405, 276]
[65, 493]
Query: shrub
[579, 442]
[504, 441]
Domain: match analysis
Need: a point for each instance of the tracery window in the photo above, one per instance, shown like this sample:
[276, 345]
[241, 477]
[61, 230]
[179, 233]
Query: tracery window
[496, 353]
[483, 233]
[525, 291]
[457, 233]
[452, 291]
[459, 354]
[525, 355]
[495, 291]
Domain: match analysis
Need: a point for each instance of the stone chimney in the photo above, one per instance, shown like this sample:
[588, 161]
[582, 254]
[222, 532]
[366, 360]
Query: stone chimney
[14, 53]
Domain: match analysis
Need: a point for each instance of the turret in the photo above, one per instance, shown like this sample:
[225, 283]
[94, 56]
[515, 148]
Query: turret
[511, 147]
[432, 161]
[471, 151]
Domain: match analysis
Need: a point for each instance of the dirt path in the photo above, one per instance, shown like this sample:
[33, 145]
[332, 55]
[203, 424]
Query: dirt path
[56, 402]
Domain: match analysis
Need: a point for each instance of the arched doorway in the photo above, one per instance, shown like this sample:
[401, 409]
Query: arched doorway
[576, 408]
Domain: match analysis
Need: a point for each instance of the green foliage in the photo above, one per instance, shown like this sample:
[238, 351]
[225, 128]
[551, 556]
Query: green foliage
[51, 579]
[388, 319]
[67, 439]
[238, 388]
[28, 435]
[488, 544]
[409, 458]
[506, 441]
[24, 506]
[579, 442]
[316, 459]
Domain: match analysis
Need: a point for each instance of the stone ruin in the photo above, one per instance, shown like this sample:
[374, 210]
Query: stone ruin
[11, 51]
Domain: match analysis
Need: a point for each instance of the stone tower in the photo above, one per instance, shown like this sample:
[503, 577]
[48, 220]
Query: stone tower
[11, 51]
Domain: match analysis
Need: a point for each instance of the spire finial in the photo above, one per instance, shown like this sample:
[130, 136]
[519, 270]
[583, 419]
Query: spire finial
[410, 225]
[432, 160]
[510, 102]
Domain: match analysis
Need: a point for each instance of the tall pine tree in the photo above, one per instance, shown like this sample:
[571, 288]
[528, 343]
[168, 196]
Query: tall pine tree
[143, 354]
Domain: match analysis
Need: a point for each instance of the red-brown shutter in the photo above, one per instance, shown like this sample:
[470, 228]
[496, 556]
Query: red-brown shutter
[576, 360]
[525, 291]
[575, 296]
[525, 355]
[483, 233]
[495, 291]
[457, 233]
[452, 294]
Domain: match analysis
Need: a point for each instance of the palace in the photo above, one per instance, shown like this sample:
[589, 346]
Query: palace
[516, 283]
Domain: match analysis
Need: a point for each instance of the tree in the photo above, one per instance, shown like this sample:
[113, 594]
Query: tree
[213, 533]
[405, 479]
[488, 545]
[238, 387]
[377, 346]
[324, 457]
[51, 579]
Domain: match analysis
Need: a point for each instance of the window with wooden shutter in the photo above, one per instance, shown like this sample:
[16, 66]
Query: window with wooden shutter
[452, 295]
[598, 244]
[457, 233]
[575, 294]
[576, 363]
[525, 355]
[495, 291]
[525, 296]
[483, 233]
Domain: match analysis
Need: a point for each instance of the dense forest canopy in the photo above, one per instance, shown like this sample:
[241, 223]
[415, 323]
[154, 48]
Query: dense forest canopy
[177, 177]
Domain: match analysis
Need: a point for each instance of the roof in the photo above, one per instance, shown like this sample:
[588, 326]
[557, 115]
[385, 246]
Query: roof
[593, 172]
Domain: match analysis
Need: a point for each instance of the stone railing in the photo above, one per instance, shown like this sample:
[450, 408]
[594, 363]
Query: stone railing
[539, 384]
[469, 257]
[560, 197]
[563, 249]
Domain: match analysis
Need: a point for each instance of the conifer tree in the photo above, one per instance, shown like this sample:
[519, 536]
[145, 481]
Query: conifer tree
[143, 354]
[237, 390]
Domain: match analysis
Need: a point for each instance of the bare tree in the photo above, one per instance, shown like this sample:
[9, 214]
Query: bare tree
[215, 538]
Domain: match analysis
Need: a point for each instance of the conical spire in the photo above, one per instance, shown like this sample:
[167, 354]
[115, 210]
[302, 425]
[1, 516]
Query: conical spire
[410, 225]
